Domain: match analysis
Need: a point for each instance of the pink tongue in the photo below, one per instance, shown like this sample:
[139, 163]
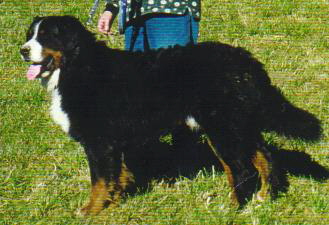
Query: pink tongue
[33, 72]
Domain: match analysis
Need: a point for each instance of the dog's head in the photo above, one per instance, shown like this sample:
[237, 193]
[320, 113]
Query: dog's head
[50, 41]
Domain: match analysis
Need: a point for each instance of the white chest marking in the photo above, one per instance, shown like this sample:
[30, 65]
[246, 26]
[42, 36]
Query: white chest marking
[57, 113]
[53, 80]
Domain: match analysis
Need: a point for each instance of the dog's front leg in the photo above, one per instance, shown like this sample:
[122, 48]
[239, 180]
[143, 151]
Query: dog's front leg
[105, 168]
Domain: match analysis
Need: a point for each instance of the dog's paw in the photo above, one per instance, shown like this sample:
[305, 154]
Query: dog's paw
[88, 210]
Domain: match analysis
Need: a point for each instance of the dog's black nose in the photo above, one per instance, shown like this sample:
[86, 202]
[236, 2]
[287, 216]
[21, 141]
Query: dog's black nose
[25, 52]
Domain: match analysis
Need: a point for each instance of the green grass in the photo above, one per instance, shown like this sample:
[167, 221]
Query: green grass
[44, 175]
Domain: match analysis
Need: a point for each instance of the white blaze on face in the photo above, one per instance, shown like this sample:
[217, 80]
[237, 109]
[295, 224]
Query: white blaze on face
[34, 46]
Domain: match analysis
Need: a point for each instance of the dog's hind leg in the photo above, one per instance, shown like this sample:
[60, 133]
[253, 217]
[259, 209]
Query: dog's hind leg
[235, 146]
[227, 170]
[264, 167]
[273, 177]
[234, 150]
[241, 173]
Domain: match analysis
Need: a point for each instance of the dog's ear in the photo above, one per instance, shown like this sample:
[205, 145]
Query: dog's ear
[76, 36]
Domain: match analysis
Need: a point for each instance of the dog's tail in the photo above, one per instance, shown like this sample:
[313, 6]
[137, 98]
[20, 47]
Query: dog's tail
[286, 119]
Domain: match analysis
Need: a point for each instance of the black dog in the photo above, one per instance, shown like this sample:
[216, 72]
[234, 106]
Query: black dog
[116, 103]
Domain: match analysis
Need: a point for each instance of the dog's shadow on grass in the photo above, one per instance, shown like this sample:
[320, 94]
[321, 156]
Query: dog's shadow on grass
[187, 156]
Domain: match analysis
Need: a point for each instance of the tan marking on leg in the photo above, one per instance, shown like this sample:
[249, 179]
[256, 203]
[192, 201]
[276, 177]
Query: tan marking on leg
[116, 191]
[264, 168]
[228, 172]
[98, 197]
[126, 177]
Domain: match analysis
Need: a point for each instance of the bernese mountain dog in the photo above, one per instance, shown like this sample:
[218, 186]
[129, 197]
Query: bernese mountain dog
[118, 103]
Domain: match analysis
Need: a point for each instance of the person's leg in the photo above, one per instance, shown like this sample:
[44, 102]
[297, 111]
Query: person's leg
[134, 36]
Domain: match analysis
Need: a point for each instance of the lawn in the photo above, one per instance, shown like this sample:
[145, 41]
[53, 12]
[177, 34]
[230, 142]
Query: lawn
[44, 175]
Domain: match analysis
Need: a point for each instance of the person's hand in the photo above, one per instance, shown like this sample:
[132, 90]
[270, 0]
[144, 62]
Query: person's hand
[105, 22]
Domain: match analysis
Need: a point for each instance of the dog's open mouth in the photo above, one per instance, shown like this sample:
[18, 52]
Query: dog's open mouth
[38, 70]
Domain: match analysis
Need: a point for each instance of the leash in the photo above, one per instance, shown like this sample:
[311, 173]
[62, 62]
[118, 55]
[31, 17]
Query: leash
[93, 11]
[122, 16]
